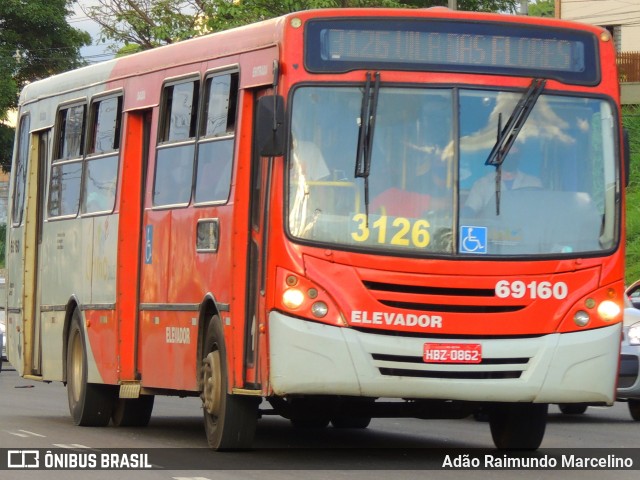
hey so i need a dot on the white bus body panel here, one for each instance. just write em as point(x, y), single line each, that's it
point(317, 359)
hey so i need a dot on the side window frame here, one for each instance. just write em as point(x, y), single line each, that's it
point(170, 183)
point(66, 158)
point(217, 136)
point(20, 170)
point(102, 150)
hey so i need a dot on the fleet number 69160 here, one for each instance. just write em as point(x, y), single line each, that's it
point(543, 290)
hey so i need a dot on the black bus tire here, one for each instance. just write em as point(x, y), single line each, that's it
point(229, 420)
point(133, 412)
point(518, 426)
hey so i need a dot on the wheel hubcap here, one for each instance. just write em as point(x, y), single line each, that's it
point(212, 383)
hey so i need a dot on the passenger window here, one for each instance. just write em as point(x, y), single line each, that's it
point(64, 189)
point(174, 162)
point(100, 184)
point(215, 145)
point(174, 175)
point(20, 169)
point(221, 94)
point(70, 132)
point(66, 171)
point(105, 129)
point(179, 112)
point(101, 168)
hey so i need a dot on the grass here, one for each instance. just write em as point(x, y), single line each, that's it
point(631, 120)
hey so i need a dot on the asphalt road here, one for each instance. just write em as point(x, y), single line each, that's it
point(34, 415)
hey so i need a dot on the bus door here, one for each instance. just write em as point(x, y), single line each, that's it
point(33, 261)
point(261, 176)
point(133, 174)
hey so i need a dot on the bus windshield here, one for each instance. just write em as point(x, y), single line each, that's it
point(429, 189)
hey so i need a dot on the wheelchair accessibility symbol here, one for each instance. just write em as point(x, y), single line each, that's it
point(473, 239)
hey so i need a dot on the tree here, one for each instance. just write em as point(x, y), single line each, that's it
point(145, 24)
point(542, 8)
point(35, 41)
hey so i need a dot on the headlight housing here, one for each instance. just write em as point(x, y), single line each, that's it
point(302, 297)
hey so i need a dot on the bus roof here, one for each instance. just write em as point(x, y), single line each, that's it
point(243, 39)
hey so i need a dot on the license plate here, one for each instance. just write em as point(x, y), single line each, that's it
point(452, 353)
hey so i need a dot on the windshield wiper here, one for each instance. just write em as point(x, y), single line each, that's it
point(365, 134)
point(507, 135)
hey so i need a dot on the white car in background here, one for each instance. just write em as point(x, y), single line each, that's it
point(629, 374)
point(628, 389)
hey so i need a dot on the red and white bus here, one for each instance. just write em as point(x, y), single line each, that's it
point(348, 213)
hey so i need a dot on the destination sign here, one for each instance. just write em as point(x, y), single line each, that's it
point(495, 48)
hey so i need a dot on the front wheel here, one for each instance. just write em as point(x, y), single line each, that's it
point(89, 404)
point(518, 426)
point(572, 408)
point(229, 420)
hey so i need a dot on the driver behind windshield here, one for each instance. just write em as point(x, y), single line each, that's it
point(512, 178)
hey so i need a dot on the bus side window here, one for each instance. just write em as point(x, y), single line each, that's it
point(215, 145)
point(66, 171)
point(20, 169)
point(174, 162)
point(101, 167)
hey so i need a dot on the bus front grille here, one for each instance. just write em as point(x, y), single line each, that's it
point(438, 299)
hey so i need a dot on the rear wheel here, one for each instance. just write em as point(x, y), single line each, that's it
point(229, 420)
point(634, 409)
point(133, 412)
point(518, 426)
point(310, 421)
point(89, 404)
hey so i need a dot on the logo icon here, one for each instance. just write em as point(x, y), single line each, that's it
point(148, 250)
point(473, 239)
point(23, 459)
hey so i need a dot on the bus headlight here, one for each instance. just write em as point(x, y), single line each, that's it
point(608, 310)
point(306, 299)
point(319, 309)
point(292, 298)
point(581, 318)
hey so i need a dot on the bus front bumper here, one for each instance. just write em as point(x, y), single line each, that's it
point(310, 358)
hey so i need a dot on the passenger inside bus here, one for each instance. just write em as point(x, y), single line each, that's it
point(418, 171)
point(309, 170)
point(308, 158)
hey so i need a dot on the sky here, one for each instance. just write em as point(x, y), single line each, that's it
point(97, 52)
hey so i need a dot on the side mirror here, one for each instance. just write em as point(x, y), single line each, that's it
point(627, 156)
point(270, 127)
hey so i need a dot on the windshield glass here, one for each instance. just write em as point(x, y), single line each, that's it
point(428, 189)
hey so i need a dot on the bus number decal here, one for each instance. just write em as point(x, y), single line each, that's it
point(400, 231)
point(542, 290)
